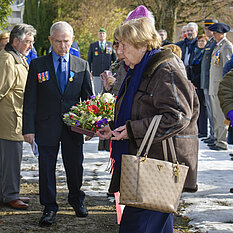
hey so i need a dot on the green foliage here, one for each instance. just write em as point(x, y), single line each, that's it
point(41, 16)
point(5, 12)
point(86, 17)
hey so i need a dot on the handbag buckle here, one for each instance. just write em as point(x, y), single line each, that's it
point(177, 172)
point(144, 158)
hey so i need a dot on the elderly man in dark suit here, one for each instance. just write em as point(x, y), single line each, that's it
point(55, 83)
point(100, 57)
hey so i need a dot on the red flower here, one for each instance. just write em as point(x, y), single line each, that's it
point(71, 117)
point(93, 108)
point(88, 102)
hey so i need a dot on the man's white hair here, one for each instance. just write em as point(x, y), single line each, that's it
point(61, 26)
point(192, 25)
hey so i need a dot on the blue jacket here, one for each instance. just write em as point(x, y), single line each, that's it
point(190, 45)
point(228, 66)
point(32, 55)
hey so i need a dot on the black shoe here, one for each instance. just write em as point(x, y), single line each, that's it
point(190, 190)
point(47, 219)
point(231, 190)
point(215, 147)
point(80, 210)
point(231, 155)
point(209, 140)
point(211, 144)
point(203, 139)
point(200, 135)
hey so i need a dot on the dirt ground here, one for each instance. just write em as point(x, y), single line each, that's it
point(101, 218)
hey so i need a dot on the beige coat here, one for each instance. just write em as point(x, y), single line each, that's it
point(220, 55)
point(13, 78)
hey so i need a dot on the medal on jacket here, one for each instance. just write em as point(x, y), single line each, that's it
point(42, 77)
point(216, 58)
point(71, 78)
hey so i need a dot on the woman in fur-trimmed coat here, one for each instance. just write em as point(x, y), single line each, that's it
point(155, 85)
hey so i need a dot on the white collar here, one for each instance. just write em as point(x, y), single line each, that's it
point(220, 41)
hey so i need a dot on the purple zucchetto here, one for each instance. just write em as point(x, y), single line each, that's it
point(139, 12)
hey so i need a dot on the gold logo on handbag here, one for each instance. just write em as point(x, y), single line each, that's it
point(160, 166)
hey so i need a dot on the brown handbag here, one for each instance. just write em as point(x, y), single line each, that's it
point(149, 183)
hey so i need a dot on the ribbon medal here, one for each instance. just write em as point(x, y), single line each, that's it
point(108, 50)
point(96, 53)
point(42, 77)
point(71, 78)
point(216, 58)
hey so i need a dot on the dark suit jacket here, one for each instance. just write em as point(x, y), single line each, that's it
point(44, 103)
point(99, 61)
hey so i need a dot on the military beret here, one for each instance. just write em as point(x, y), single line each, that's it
point(102, 30)
point(219, 27)
point(209, 22)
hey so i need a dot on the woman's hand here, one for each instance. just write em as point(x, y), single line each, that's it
point(104, 133)
point(120, 133)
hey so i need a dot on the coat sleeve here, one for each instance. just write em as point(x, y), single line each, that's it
point(225, 93)
point(7, 79)
point(30, 101)
point(90, 57)
point(86, 86)
point(174, 98)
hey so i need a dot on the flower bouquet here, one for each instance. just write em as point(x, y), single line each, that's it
point(88, 116)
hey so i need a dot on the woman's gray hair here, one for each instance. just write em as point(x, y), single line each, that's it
point(61, 26)
point(20, 31)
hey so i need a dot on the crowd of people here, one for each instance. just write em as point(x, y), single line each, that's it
point(150, 76)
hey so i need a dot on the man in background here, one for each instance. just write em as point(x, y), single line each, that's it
point(188, 46)
point(163, 35)
point(100, 57)
point(14, 70)
point(205, 77)
point(222, 52)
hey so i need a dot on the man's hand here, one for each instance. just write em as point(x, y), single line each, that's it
point(120, 133)
point(29, 137)
point(104, 133)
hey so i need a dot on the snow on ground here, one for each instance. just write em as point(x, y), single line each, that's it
point(211, 208)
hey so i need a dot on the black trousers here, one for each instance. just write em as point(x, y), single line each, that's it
point(72, 156)
point(202, 119)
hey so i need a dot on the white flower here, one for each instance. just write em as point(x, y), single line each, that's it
point(107, 97)
point(74, 108)
point(66, 115)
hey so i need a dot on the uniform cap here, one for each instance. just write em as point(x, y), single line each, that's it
point(219, 27)
point(102, 30)
point(209, 22)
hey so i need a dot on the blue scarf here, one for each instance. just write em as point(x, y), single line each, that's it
point(122, 146)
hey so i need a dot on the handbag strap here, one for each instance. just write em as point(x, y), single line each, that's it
point(150, 132)
point(172, 149)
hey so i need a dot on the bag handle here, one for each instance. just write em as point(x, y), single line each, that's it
point(172, 149)
point(153, 126)
point(150, 134)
